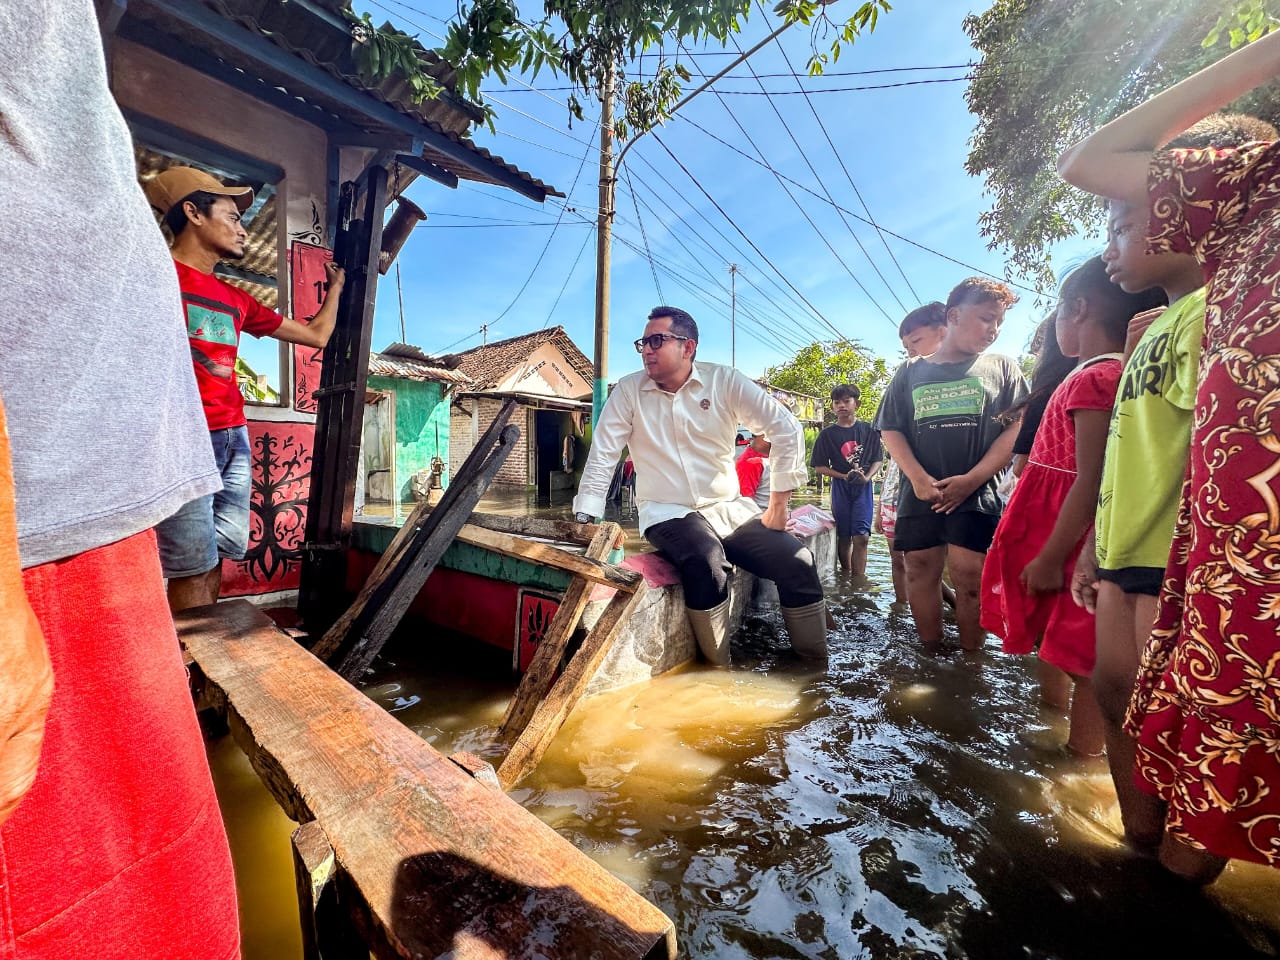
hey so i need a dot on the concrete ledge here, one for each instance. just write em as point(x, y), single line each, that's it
point(658, 637)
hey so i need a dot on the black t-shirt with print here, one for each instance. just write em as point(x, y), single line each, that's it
point(843, 448)
point(947, 412)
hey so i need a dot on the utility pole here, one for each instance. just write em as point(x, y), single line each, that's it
point(400, 295)
point(604, 219)
point(484, 334)
point(604, 253)
point(733, 314)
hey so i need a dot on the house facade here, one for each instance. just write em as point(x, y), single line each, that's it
point(550, 377)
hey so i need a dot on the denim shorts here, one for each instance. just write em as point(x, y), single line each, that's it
point(214, 527)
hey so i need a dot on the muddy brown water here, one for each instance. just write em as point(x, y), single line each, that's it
point(896, 806)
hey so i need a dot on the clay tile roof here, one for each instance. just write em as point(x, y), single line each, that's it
point(487, 366)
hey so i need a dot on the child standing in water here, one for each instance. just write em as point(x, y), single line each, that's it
point(938, 420)
point(1042, 529)
point(1206, 710)
point(848, 452)
point(921, 332)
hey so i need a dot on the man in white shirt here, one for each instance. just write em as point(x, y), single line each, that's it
point(679, 419)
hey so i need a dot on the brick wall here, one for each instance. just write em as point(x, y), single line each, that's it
point(518, 469)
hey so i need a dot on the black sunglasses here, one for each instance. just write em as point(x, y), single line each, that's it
point(656, 340)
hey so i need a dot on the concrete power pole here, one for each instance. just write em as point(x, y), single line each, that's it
point(604, 241)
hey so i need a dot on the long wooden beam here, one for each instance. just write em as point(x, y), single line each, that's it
point(440, 863)
point(547, 555)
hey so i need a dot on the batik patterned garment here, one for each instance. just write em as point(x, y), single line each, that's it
point(1206, 710)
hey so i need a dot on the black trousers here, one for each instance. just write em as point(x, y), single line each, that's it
point(705, 561)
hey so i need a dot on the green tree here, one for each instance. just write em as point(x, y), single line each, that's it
point(592, 43)
point(1052, 71)
point(817, 368)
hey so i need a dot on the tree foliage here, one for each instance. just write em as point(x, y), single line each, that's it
point(817, 368)
point(588, 40)
point(1052, 71)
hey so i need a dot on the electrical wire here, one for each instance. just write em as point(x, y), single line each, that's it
point(896, 236)
point(840, 160)
point(818, 179)
point(547, 246)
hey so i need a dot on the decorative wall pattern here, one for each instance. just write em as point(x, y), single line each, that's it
point(277, 509)
point(306, 270)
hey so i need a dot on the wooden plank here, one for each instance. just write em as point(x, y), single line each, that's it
point(407, 537)
point(444, 865)
point(537, 680)
point(564, 531)
point(545, 554)
point(552, 712)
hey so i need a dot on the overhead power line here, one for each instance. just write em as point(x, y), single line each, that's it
point(896, 236)
point(858, 193)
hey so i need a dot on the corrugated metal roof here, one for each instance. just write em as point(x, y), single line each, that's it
point(314, 31)
point(406, 362)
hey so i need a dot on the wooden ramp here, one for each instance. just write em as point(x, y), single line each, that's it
point(428, 859)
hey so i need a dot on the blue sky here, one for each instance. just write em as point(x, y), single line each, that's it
point(480, 259)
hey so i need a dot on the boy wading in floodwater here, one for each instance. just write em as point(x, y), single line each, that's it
point(921, 332)
point(939, 422)
point(1206, 708)
point(849, 453)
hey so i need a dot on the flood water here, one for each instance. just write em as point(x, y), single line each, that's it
point(896, 806)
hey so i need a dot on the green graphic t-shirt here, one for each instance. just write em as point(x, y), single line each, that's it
point(1148, 440)
point(947, 411)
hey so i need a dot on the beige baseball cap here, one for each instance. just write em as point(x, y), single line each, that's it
point(169, 188)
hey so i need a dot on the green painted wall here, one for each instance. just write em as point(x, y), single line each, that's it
point(422, 416)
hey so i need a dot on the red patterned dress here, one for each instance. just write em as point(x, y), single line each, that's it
point(1206, 710)
point(1008, 611)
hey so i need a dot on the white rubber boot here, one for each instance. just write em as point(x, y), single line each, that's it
point(807, 627)
point(711, 628)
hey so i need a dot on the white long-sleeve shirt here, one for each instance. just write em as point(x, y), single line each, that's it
point(682, 445)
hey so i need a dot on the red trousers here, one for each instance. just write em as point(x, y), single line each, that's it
point(118, 850)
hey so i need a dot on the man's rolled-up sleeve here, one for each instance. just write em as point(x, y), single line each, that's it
point(608, 439)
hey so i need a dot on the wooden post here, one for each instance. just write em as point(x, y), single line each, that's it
point(327, 932)
point(340, 417)
point(537, 680)
point(552, 712)
point(382, 604)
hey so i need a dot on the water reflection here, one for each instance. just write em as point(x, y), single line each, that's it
point(898, 806)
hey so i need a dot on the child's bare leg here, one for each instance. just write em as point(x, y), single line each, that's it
point(1190, 863)
point(1088, 735)
point(844, 553)
point(948, 595)
point(898, 566)
point(1114, 675)
point(966, 575)
point(1055, 685)
point(924, 572)
point(858, 556)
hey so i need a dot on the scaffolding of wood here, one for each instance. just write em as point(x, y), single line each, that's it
point(403, 851)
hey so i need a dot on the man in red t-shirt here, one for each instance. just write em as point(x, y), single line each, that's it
point(753, 471)
point(204, 218)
